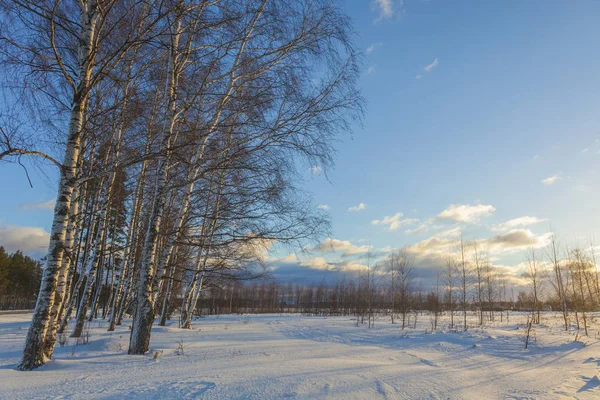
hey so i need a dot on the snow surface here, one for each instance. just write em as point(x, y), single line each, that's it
point(310, 357)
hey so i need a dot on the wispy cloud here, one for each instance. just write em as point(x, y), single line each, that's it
point(395, 221)
point(373, 47)
point(508, 242)
point(466, 213)
point(419, 76)
point(315, 169)
point(25, 238)
point(333, 256)
point(451, 233)
point(518, 223)
point(323, 207)
point(345, 247)
point(514, 240)
point(361, 206)
point(46, 205)
point(385, 8)
point(371, 69)
point(419, 229)
point(431, 66)
point(319, 263)
point(551, 180)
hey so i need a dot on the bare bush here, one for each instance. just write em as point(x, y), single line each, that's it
point(180, 348)
point(62, 339)
point(86, 335)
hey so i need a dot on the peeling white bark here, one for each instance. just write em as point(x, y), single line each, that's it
point(33, 353)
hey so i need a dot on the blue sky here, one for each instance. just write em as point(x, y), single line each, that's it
point(472, 104)
point(478, 113)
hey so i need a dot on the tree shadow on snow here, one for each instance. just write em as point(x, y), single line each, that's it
point(591, 383)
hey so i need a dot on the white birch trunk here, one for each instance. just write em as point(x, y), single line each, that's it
point(143, 316)
point(62, 288)
point(90, 273)
point(165, 304)
point(33, 353)
point(75, 249)
point(127, 263)
point(74, 299)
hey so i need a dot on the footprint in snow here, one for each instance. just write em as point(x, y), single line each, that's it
point(386, 390)
point(427, 362)
point(423, 361)
point(192, 390)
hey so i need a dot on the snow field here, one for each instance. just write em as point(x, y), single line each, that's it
point(311, 357)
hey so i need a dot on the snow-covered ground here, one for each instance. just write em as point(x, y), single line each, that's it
point(304, 357)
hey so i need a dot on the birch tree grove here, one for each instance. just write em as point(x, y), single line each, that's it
point(181, 127)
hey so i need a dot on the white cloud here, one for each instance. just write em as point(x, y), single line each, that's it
point(350, 265)
point(320, 263)
point(433, 246)
point(395, 221)
point(585, 150)
point(256, 247)
point(317, 263)
point(451, 233)
point(419, 76)
point(46, 205)
point(361, 206)
point(419, 229)
point(370, 70)
point(385, 7)
point(436, 249)
point(430, 255)
point(323, 207)
point(345, 247)
point(431, 66)
point(514, 240)
point(25, 238)
point(518, 223)
point(373, 47)
point(466, 213)
point(551, 180)
point(315, 169)
point(290, 258)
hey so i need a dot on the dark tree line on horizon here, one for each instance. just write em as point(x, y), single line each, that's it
point(391, 291)
point(20, 277)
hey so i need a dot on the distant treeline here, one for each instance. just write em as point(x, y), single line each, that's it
point(20, 277)
point(387, 289)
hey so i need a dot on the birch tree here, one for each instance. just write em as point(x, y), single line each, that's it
point(64, 46)
point(533, 276)
point(285, 113)
point(464, 273)
point(557, 280)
